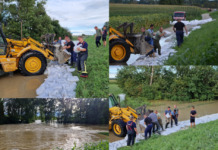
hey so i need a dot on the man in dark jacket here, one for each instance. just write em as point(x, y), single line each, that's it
point(131, 131)
point(148, 123)
point(82, 57)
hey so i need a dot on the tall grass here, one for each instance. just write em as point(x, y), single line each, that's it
point(203, 137)
point(96, 85)
point(144, 15)
point(200, 47)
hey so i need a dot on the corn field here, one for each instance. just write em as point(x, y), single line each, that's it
point(144, 15)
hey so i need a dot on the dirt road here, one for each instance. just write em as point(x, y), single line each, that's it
point(15, 85)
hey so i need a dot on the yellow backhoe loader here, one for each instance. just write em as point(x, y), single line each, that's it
point(123, 44)
point(119, 117)
point(27, 55)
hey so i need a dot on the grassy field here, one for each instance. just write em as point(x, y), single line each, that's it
point(144, 15)
point(200, 48)
point(96, 85)
point(129, 101)
point(203, 137)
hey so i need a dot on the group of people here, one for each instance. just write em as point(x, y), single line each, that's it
point(101, 34)
point(78, 58)
point(154, 38)
point(153, 121)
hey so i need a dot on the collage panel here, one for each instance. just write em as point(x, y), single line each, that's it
point(49, 50)
point(152, 106)
point(56, 124)
point(163, 32)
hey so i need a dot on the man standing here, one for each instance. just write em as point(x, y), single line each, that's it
point(157, 38)
point(154, 119)
point(82, 57)
point(131, 131)
point(176, 110)
point(98, 36)
point(178, 29)
point(168, 116)
point(148, 38)
point(69, 47)
point(148, 123)
point(104, 35)
point(59, 40)
point(159, 119)
point(193, 114)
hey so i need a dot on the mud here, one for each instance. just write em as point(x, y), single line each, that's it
point(49, 136)
point(202, 108)
point(15, 85)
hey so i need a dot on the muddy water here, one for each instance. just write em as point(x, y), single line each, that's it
point(44, 137)
point(203, 108)
point(15, 85)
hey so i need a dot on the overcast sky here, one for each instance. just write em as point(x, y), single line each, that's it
point(79, 16)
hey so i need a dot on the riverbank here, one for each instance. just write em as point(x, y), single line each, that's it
point(204, 136)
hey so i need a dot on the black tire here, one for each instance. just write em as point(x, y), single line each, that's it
point(122, 127)
point(125, 45)
point(27, 55)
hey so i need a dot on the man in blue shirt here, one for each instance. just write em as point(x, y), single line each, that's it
point(168, 116)
point(131, 131)
point(82, 57)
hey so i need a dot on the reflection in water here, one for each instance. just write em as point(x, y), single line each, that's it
point(19, 86)
point(49, 136)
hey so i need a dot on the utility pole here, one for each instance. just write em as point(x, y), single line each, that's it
point(21, 23)
point(152, 75)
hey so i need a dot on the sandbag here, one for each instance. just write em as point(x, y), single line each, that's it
point(61, 55)
point(145, 47)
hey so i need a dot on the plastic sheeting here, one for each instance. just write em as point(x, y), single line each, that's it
point(181, 126)
point(60, 82)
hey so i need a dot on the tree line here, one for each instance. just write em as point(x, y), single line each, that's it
point(200, 3)
point(179, 83)
point(87, 111)
point(31, 16)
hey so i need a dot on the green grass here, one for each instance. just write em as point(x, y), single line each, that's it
point(129, 101)
point(200, 47)
point(104, 133)
point(203, 137)
point(144, 15)
point(103, 145)
point(114, 88)
point(96, 85)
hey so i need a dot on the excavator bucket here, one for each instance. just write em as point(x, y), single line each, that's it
point(8, 64)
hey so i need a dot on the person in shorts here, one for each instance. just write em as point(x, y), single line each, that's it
point(104, 36)
point(193, 114)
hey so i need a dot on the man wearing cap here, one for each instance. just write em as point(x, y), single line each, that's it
point(131, 131)
point(178, 29)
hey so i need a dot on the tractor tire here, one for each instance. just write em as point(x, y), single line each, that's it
point(119, 128)
point(119, 51)
point(32, 63)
